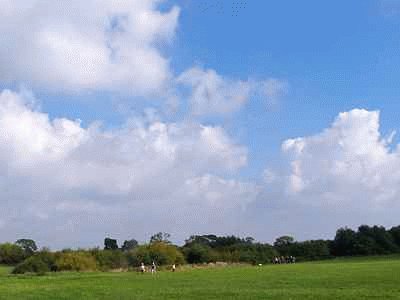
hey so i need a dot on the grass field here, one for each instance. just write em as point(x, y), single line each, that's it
point(373, 278)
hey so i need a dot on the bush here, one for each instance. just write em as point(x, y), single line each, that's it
point(75, 261)
point(197, 253)
point(109, 259)
point(140, 255)
point(32, 264)
point(160, 252)
point(133, 260)
point(311, 250)
point(11, 254)
point(40, 263)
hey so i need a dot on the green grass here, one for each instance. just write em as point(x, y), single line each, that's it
point(4, 270)
point(342, 279)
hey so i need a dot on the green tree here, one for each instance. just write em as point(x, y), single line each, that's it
point(395, 233)
point(160, 252)
point(28, 245)
point(75, 261)
point(160, 237)
point(129, 245)
point(310, 250)
point(283, 244)
point(197, 253)
point(41, 262)
point(108, 259)
point(110, 244)
point(11, 254)
point(374, 240)
point(344, 242)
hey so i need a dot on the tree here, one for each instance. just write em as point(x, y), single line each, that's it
point(208, 240)
point(11, 254)
point(108, 260)
point(197, 253)
point(283, 244)
point(310, 250)
point(160, 237)
point(159, 252)
point(395, 232)
point(344, 242)
point(284, 241)
point(129, 245)
point(32, 264)
point(110, 244)
point(249, 240)
point(75, 261)
point(375, 240)
point(29, 246)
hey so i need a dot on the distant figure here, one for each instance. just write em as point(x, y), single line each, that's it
point(153, 268)
point(173, 268)
point(142, 268)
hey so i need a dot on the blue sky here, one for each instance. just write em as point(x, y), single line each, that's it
point(334, 56)
point(248, 77)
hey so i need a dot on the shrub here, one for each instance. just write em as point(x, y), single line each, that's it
point(160, 252)
point(197, 253)
point(133, 260)
point(139, 255)
point(311, 250)
point(75, 261)
point(39, 263)
point(32, 264)
point(109, 259)
point(11, 254)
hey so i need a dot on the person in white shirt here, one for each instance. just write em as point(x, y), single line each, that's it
point(142, 268)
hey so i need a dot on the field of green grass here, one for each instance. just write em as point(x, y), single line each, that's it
point(4, 270)
point(361, 278)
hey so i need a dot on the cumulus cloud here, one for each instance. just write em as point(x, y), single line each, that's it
point(212, 93)
point(349, 163)
point(93, 45)
point(273, 90)
point(59, 176)
point(346, 175)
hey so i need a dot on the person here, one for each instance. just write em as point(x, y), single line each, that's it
point(173, 268)
point(142, 268)
point(153, 268)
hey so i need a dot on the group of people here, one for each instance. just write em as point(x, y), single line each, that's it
point(153, 268)
point(284, 260)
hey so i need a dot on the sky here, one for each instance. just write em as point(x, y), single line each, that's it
point(252, 118)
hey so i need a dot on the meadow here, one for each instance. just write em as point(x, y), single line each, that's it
point(361, 278)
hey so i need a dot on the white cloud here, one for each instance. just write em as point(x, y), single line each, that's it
point(348, 164)
point(56, 172)
point(273, 90)
point(211, 93)
point(94, 45)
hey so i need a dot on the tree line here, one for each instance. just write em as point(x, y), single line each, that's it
point(198, 249)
